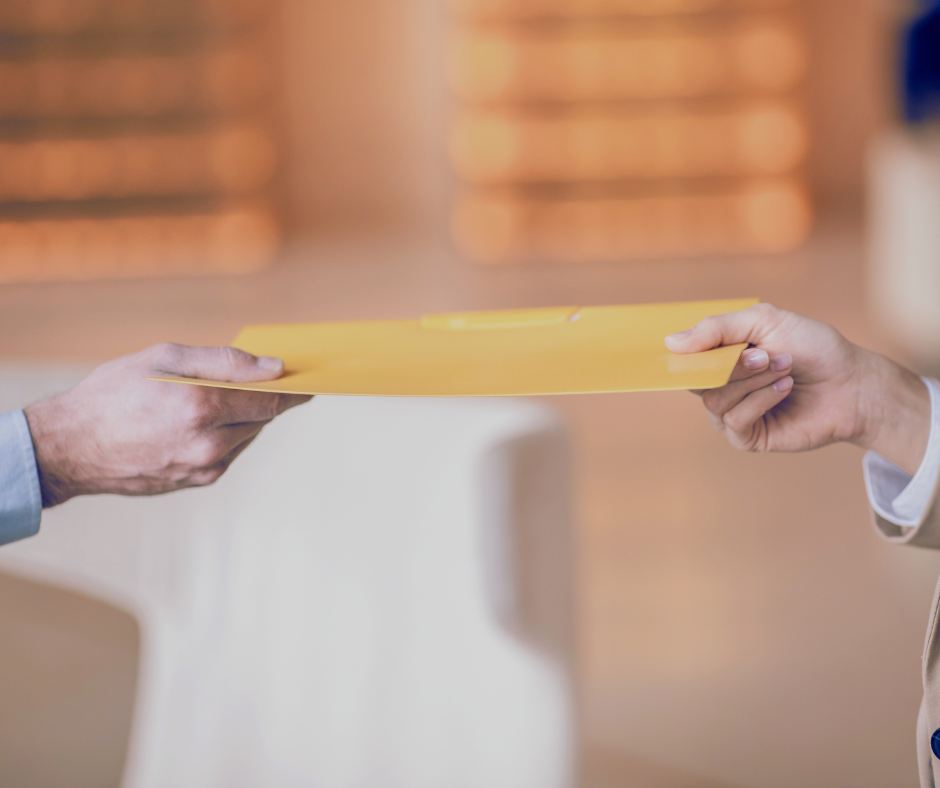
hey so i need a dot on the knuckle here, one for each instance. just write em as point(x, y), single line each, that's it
point(711, 328)
point(166, 354)
point(229, 356)
point(233, 358)
point(765, 314)
point(736, 422)
point(197, 410)
point(205, 452)
point(707, 323)
point(711, 399)
point(188, 411)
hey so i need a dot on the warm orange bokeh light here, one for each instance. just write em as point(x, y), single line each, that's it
point(65, 17)
point(595, 98)
point(770, 57)
point(500, 148)
point(759, 217)
point(515, 10)
point(126, 125)
point(241, 159)
point(510, 65)
point(232, 241)
point(229, 79)
point(231, 160)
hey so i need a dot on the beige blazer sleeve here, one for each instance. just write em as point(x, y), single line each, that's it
point(925, 534)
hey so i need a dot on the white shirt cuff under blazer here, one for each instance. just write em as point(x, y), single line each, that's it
point(20, 499)
point(897, 496)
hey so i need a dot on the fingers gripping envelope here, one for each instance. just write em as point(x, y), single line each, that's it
point(556, 350)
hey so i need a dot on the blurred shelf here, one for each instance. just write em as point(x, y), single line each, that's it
point(745, 56)
point(756, 138)
point(230, 159)
point(221, 80)
point(137, 138)
point(751, 217)
point(88, 17)
point(233, 241)
point(528, 10)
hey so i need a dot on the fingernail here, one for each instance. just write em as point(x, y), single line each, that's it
point(781, 362)
point(270, 363)
point(681, 335)
point(784, 384)
point(755, 359)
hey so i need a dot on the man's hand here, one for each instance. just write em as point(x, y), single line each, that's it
point(117, 432)
point(802, 385)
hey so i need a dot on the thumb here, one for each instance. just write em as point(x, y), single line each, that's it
point(747, 325)
point(216, 363)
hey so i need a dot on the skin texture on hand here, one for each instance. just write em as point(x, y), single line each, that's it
point(118, 432)
point(803, 385)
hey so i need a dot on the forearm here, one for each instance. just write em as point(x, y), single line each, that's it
point(53, 453)
point(894, 405)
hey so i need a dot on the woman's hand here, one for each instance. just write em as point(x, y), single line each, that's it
point(802, 385)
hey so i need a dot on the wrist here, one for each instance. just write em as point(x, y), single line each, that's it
point(895, 413)
point(48, 429)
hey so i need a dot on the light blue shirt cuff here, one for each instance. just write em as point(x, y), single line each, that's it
point(20, 499)
point(897, 496)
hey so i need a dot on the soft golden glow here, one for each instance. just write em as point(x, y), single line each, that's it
point(512, 10)
point(233, 13)
point(701, 109)
point(774, 214)
point(561, 66)
point(772, 139)
point(760, 217)
point(227, 80)
point(235, 78)
point(242, 240)
point(484, 66)
point(241, 159)
point(58, 16)
point(496, 147)
point(137, 107)
point(490, 230)
point(485, 147)
point(769, 56)
point(234, 160)
point(78, 16)
point(233, 241)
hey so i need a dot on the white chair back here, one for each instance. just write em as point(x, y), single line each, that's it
point(377, 595)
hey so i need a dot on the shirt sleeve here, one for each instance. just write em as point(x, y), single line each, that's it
point(897, 496)
point(20, 499)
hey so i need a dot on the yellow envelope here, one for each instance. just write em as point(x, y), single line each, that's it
point(557, 350)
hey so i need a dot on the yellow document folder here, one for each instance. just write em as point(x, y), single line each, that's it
point(557, 350)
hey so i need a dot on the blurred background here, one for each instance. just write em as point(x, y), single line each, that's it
point(175, 170)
